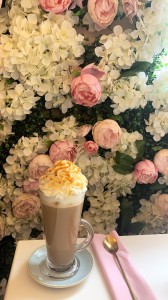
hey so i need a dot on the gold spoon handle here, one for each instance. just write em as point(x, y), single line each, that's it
point(125, 277)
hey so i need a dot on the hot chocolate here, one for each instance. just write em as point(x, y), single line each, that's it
point(62, 191)
point(61, 226)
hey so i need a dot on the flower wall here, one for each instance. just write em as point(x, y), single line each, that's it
point(85, 81)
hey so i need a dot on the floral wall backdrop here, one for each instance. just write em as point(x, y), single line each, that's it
point(85, 81)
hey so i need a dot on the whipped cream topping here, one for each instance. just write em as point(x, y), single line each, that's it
point(63, 179)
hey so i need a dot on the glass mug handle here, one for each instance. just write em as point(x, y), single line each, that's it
point(89, 237)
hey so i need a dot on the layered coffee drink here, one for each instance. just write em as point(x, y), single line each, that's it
point(62, 191)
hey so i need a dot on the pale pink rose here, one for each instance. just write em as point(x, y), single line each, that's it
point(130, 8)
point(107, 133)
point(30, 186)
point(145, 172)
point(90, 147)
point(86, 90)
point(63, 150)
point(2, 228)
point(161, 203)
point(102, 12)
point(39, 165)
point(92, 70)
point(26, 205)
point(84, 130)
point(161, 161)
point(55, 6)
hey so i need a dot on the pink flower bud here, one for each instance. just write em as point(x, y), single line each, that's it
point(90, 147)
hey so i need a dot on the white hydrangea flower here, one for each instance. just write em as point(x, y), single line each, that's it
point(5, 129)
point(129, 93)
point(151, 30)
point(16, 101)
point(104, 209)
point(66, 129)
point(42, 55)
point(159, 92)
point(149, 214)
point(163, 179)
point(4, 20)
point(157, 125)
point(127, 144)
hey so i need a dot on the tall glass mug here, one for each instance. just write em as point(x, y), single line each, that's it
point(61, 214)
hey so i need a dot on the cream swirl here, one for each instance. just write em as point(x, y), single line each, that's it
point(63, 179)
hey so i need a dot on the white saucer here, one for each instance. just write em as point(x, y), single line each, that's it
point(85, 268)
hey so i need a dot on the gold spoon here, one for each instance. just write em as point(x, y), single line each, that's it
point(111, 245)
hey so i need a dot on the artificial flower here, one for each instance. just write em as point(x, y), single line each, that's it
point(90, 147)
point(30, 185)
point(92, 70)
point(161, 161)
point(55, 6)
point(106, 133)
point(130, 8)
point(62, 150)
point(39, 165)
point(84, 130)
point(161, 203)
point(86, 90)
point(25, 205)
point(145, 172)
point(102, 12)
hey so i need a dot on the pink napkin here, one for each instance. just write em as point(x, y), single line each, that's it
point(112, 273)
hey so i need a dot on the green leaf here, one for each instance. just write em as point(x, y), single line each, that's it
point(123, 169)
point(126, 214)
point(157, 148)
point(122, 158)
point(138, 66)
point(81, 11)
point(141, 149)
point(135, 228)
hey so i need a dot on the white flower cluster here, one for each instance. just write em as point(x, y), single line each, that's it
point(151, 30)
point(41, 51)
point(117, 48)
point(5, 129)
point(128, 143)
point(16, 101)
point(66, 129)
point(149, 215)
point(159, 92)
point(157, 124)
point(129, 93)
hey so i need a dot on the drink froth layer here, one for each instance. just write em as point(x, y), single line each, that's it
point(63, 182)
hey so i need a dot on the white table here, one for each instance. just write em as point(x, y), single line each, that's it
point(149, 253)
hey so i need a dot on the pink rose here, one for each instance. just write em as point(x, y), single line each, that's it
point(2, 228)
point(145, 172)
point(84, 130)
point(130, 7)
point(25, 205)
point(86, 90)
point(39, 165)
point(55, 6)
point(30, 186)
point(63, 150)
point(161, 161)
point(102, 12)
point(92, 70)
point(161, 203)
point(90, 147)
point(106, 133)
